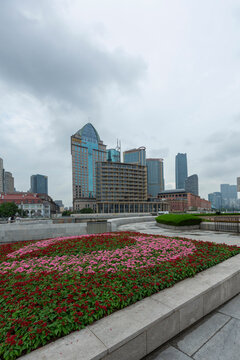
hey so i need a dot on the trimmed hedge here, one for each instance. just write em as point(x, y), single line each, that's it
point(178, 220)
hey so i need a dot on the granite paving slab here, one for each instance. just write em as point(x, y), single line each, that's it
point(170, 353)
point(224, 345)
point(191, 341)
point(232, 308)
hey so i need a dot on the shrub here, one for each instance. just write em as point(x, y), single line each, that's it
point(178, 220)
point(86, 211)
point(66, 213)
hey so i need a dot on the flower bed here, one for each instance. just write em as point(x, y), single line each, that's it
point(52, 287)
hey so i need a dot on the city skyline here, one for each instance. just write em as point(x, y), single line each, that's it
point(169, 83)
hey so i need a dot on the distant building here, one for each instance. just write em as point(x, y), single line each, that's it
point(113, 155)
point(233, 192)
point(121, 182)
point(1, 176)
point(60, 205)
point(35, 205)
point(216, 200)
point(122, 187)
point(155, 176)
point(238, 184)
point(229, 195)
point(86, 148)
point(135, 156)
point(39, 184)
point(8, 182)
point(228, 191)
point(181, 172)
point(191, 184)
point(179, 201)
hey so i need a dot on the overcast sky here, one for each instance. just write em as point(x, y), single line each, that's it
point(156, 73)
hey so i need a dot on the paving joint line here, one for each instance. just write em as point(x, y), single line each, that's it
point(96, 337)
point(230, 318)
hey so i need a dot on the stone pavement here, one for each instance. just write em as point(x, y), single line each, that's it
point(214, 337)
point(150, 227)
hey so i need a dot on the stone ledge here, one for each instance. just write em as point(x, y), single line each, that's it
point(137, 330)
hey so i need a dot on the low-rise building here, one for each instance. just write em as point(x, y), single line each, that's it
point(180, 200)
point(32, 204)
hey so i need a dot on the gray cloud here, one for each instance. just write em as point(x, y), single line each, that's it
point(40, 55)
point(159, 153)
point(224, 147)
point(66, 62)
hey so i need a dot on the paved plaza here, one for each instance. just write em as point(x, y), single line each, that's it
point(214, 337)
point(150, 227)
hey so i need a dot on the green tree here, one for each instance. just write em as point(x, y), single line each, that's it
point(66, 213)
point(8, 209)
point(86, 211)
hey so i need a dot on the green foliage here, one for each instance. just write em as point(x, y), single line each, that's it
point(178, 219)
point(40, 306)
point(8, 209)
point(66, 213)
point(86, 211)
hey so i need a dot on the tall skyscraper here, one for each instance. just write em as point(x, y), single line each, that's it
point(135, 156)
point(1, 176)
point(191, 184)
point(228, 191)
point(229, 194)
point(155, 177)
point(86, 150)
point(216, 200)
point(181, 171)
point(8, 182)
point(39, 184)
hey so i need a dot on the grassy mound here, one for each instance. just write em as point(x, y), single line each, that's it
point(178, 219)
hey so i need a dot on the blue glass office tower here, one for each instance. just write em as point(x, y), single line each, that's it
point(155, 177)
point(135, 156)
point(181, 171)
point(86, 150)
point(39, 184)
point(216, 200)
point(113, 155)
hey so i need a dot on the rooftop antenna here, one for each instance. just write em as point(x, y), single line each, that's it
point(118, 148)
